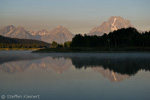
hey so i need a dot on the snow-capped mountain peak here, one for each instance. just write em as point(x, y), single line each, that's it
point(113, 23)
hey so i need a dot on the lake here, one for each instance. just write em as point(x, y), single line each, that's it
point(74, 76)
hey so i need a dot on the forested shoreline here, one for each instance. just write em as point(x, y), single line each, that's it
point(128, 39)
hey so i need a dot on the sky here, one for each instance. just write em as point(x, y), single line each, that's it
point(79, 16)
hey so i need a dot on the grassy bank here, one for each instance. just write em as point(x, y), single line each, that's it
point(19, 49)
point(92, 50)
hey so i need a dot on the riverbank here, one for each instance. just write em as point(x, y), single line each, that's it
point(91, 50)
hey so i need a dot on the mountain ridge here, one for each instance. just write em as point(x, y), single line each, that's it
point(61, 34)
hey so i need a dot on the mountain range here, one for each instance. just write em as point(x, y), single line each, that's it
point(61, 34)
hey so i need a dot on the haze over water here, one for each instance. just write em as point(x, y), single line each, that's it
point(92, 76)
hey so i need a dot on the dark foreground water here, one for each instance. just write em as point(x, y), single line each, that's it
point(78, 76)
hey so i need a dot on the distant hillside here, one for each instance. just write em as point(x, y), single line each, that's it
point(10, 42)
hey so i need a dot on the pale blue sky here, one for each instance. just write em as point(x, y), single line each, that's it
point(79, 16)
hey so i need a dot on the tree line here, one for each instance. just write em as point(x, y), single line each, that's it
point(128, 37)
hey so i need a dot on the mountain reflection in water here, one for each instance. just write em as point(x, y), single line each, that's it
point(114, 66)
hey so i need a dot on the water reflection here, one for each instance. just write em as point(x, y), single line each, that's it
point(111, 75)
point(57, 64)
point(123, 65)
point(116, 67)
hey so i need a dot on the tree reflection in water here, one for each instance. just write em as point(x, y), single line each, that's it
point(114, 66)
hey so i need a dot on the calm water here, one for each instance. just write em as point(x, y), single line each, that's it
point(87, 76)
